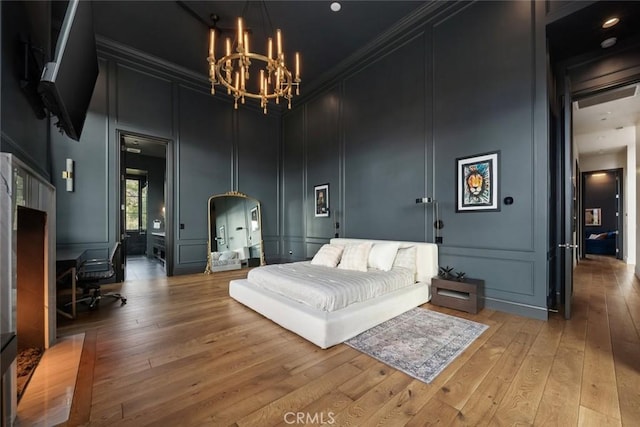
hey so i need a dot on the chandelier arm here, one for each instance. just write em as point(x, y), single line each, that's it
point(223, 74)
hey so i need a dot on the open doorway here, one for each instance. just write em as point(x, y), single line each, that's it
point(603, 196)
point(144, 195)
point(604, 131)
point(591, 60)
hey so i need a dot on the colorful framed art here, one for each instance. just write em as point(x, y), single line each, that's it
point(477, 183)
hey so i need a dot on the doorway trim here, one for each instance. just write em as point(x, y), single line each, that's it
point(168, 197)
point(578, 78)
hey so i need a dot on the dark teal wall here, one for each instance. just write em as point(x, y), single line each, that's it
point(382, 132)
point(389, 131)
point(212, 147)
point(601, 191)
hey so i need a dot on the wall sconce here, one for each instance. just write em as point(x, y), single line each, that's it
point(68, 174)
point(437, 224)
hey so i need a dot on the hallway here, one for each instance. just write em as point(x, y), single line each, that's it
point(598, 361)
point(140, 267)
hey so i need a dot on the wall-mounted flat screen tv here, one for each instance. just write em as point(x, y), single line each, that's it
point(67, 83)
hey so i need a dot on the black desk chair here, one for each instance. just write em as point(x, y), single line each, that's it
point(89, 275)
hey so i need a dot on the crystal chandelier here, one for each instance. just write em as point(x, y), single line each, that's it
point(234, 70)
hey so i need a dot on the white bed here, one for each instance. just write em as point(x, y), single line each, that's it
point(327, 328)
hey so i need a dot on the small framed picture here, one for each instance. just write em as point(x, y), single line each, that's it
point(593, 217)
point(321, 193)
point(477, 181)
point(255, 221)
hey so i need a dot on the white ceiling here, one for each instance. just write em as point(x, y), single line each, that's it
point(606, 127)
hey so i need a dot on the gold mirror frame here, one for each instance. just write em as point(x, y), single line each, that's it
point(249, 212)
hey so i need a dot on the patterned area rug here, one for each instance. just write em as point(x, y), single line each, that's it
point(420, 342)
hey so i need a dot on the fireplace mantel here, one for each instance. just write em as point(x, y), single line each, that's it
point(21, 186)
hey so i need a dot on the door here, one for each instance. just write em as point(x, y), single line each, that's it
point(122, 232)
point(566, 246)
point(619, 216)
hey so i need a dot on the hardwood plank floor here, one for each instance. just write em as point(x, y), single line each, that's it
point(182, 353)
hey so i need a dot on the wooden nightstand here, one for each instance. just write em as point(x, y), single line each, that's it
point(466, 295)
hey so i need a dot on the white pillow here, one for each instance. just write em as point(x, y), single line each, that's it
point(328, 255)
point(227, 255)
point(382, 255)
point(355, 257)
point(215, 256)
point(406, 258)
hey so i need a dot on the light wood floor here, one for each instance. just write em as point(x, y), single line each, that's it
point(182, 353)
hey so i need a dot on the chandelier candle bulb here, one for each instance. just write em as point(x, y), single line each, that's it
point(246, 42)
point(240, 35)
point(212, 44)
point(297, 66)
point(279, 41)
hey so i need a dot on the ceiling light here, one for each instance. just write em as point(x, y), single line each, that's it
point(232, 70)
point(134, 150)
point(610, 22)
point(335, 6)
point(608, 42)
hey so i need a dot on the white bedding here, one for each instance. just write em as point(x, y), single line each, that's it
point(327, 328)
point(326, 288)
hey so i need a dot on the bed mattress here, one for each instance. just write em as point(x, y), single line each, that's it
point(325, 288)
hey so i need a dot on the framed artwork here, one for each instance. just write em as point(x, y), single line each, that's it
point(321, 197)
point(593, 217)
point(477, 183)
point(255, 222)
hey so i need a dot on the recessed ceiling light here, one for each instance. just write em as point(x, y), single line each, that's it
point(608, 42)
point(610, 22)
point(335, 6)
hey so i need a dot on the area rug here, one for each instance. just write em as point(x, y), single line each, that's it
point(420, 342)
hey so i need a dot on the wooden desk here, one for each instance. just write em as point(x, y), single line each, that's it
point(66, 264)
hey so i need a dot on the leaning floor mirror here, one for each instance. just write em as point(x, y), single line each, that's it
point(235, 232)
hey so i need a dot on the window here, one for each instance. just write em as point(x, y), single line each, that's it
point(136, 204)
